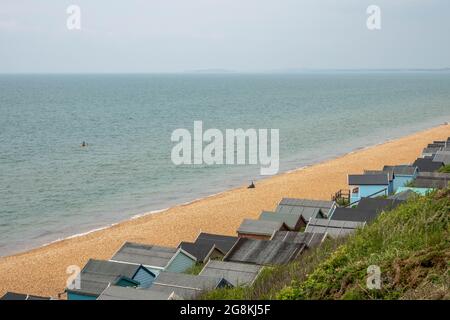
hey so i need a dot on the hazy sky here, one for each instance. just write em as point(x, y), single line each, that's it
point(239, 35)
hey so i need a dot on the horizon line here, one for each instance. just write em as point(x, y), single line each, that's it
point(230, 71)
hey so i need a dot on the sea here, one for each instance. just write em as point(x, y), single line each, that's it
point(51, 188)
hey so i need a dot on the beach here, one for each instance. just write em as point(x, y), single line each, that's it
point(42, 271)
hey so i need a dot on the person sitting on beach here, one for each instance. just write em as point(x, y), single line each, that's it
point(251, 186)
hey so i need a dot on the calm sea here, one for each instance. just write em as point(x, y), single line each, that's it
point(51, 188)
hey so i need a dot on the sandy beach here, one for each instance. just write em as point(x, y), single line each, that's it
point(42, 271)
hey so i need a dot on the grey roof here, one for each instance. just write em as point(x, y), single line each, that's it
point(186, 286)
point(436, 144)
point(20, 296)
point(427, 165)
point(354, 214)
point(431, 150)
point(404, 195)
point(200, 249)
point(260, 227)
point(378, 172)
point(306, 207)
point(368, 179)
point(442, 156)
point(264, 252)
point(434, 175)
point(292, 220)
point(430, 183)
point(334, 228)
point(147, 255)
point(311, 240)
point(127, 293)
point(224, 243)
point(378, 204)
point(97, 275)
point(238, 274)
point(404, 170)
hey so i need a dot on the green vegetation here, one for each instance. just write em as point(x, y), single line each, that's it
point(445, 169)
point(342, 202)
point(195, 269)
point(410, 244)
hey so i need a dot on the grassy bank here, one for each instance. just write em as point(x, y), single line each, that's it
point(410, 245)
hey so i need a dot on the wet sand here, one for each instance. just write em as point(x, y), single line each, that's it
point(42, 271)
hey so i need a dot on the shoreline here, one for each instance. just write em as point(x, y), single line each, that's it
point(47, 263)
point(108, 224)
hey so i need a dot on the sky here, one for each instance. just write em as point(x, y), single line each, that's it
point(131, 36)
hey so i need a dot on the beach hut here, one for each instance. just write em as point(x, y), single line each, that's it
point(292, 220)
point(390, 174)
point(311, 240)
point(333, 228)
point(264, 252)
point(21, 296)
point(442, 157)
point(306, 207)
point(368, 185)
point(202, 251)
point(259, 229)
point(187, 286)
point(127, 293)
point(155, 258)
point(238, 274)
point(427, 165)
point(97, 275)
point(403, 174)
point(224, 243)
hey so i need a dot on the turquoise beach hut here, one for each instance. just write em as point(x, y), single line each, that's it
point(97, 275)
point(403, 174)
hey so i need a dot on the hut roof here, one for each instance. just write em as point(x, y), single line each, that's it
point(306, 207)
point(186, 286)
point(147, 255)
point(201, 250)
point(402, 170)
point(224, 243)
point(234, 272)
point(264, 252)
point(290, 219)
point(334, 228)
point(260, 227)
point(127, 293)
point(21, 296)
point(368, 179)
point(427, 165)
point(311, 240)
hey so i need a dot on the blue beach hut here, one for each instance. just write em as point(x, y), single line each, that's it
point(368, 185)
